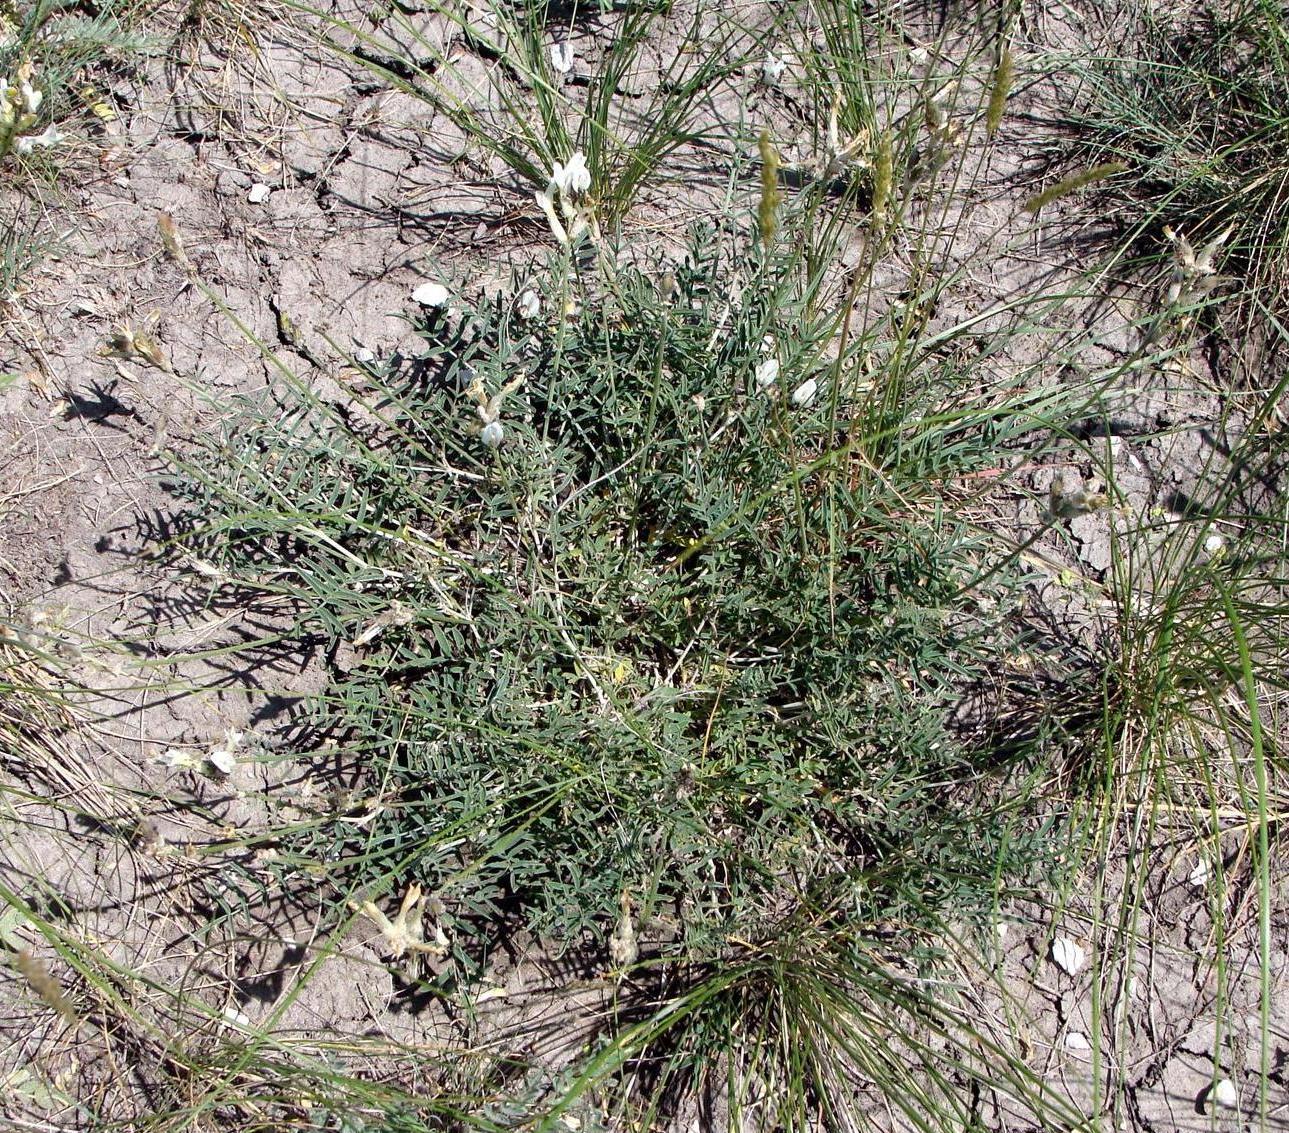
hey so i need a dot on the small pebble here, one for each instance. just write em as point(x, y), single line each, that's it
point(430, 295)
point(1068, 955)
point(1223, 1095)
point(259, 193)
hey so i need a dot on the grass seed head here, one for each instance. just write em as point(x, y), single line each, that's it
point(883, 174)
point(43, 983)
point(999, 89)
point(766, 212)
point(1073, 183)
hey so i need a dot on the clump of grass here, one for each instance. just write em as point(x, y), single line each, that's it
point(1201, 113)
point(22, 246)
point(808, 1031)
point(1190, 695)
point(527, 115)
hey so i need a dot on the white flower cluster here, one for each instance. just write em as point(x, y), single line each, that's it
point(568, 188)
point(1193, 275)
point(766, 377)
point(19, 109)
point(491, 431)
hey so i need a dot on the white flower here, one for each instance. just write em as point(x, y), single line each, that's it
point(546, 201)
point(1198, 877)
point(624, 948)
point(573, 178)
point(223, 758)
point(767, 373)
point(178, 758)
point(30, 97)
point(578, 216)
point(50, 136)
point(1215, 544)
point(562, 58)
point(772, 69)
point(804, 394)
point(529, 304)
point(568, 185)
point(430, 295)
point(406, 932)
point(492, 435)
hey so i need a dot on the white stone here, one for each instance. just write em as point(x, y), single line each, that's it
point(562, 58)
point(1077, 1042)
point(1224, 1095)
point(259, 193)
point(430, 295)
point(1068, 955)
